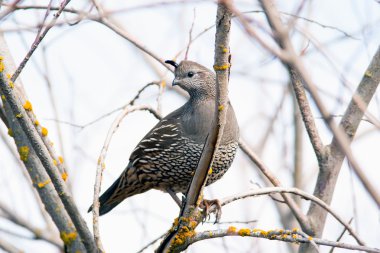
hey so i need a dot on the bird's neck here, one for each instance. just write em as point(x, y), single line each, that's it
point(198, 98)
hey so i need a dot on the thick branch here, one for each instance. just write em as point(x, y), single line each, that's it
point(349, 124)
point(289, 236)
point(36, 143)
point(331, 162)
point(42, 184)
point(222, 67)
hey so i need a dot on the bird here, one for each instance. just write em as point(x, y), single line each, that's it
point(167, 157)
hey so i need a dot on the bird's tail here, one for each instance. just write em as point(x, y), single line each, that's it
point(110, 198)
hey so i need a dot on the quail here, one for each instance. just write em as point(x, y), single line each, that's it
point(166, 158)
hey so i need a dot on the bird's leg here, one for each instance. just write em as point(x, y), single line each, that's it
point(174, 197)
point(211, 206)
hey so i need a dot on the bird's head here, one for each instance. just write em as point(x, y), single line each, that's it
point(194, 78)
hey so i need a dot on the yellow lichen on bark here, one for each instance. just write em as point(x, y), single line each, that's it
point(193, 224)
point(368, 74)
point(183, 234)
point(221, 67)
point(260, 231)
point(64, 176)
point(10, 132)
point(224, 49)
point(28, 106)
point(44, 131)
point(68, 238)
point(1, 64)
point(60, 159)
point(24, 153)
point(43, 184)
point(231, 230)
point(244, 232)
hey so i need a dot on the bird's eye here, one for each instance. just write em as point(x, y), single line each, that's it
point(190, 74)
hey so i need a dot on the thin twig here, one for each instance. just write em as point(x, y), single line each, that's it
point(101, 165)
point(37, 232)
point(38, 40)
point(10, 248)
point(341, 235)
point(151, 243)
point(296, 191)
point(190, 35)
point(301, 218)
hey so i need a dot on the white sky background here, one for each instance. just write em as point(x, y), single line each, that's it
point(94, 71)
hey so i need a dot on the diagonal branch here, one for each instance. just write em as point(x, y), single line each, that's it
point(301, 218)
point(38, 40)
point(349, 125)
point(37, 232)
point(10, 248)
point(334, 154)
point(101, 164)
point(222, 67)
point(18, 112)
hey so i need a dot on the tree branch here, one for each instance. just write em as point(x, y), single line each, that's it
point(301, 218)
point(38, 40)
point(37, 232)
point(291, 236)
point(349, 124)
point(35, 144)
point(222, 67)
point(101, 165)
point(268, 190)
point(9, 247)
point(328, 174)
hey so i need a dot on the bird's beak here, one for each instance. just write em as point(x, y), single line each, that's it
point(175, 82)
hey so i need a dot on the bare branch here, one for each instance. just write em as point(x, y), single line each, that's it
point(10, 248)
point(38, 40)
point(101, 165)
point(301, 218)
point(307, 196)
point(36, 144)
point(222, 67)
point(328, 174)
point(37, 232)
point(292, 236)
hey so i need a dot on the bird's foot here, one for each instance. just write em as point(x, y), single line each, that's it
point(211, 206)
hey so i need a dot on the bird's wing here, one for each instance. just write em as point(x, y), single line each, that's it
point(165, 135)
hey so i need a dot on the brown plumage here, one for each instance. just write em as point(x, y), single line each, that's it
point(167, 156)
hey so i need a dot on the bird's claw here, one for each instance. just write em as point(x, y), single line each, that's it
point(211, 206)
